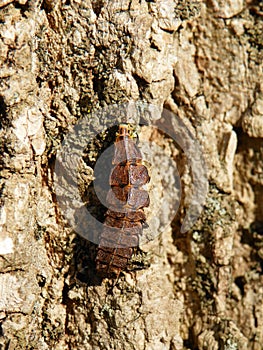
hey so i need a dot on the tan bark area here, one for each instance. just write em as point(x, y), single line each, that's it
point(203, 61)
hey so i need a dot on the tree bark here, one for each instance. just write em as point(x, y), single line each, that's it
point(202, 61)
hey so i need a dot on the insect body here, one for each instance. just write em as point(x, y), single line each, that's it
point(126, 200)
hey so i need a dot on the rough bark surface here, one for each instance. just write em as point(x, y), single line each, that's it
point(203, 61)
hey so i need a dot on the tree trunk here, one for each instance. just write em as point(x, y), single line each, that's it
point(201, 64)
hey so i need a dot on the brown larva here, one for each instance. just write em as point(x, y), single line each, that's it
point(126, 200)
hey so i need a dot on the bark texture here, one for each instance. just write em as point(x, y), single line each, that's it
point(202, 61)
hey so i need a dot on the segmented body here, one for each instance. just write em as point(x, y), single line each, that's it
point(126, 200)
